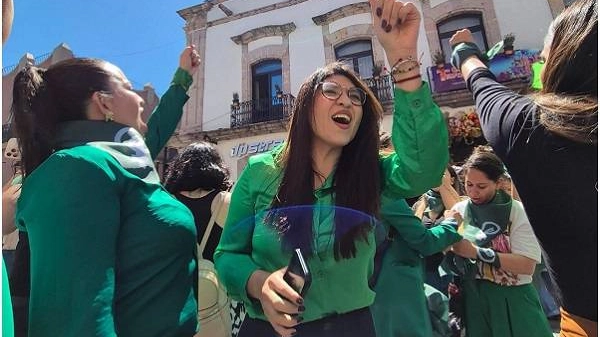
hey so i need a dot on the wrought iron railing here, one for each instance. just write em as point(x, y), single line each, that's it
point(262, 110)
point(382, 87)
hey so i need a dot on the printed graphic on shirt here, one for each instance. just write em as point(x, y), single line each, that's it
point(130, 150)
point(500, 244)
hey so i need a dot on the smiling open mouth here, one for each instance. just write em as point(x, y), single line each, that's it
point(341, 118)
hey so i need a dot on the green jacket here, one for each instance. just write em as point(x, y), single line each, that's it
point(112, 252)
point(420, 138)
point(400, 305)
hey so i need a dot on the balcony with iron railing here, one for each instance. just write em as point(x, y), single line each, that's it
point(382, 87)
point(261, 110)
point(278, 108)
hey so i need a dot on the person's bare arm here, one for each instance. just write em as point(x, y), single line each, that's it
point(396, 25)
point(510, 262)
point(10, 194)
point(449, 195)
point(471, 63)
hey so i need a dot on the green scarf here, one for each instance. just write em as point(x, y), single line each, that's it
point(434, 203)
point(482, 223)
point(122, 142)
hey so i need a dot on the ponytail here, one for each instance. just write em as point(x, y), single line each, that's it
point(34, 118)
point(44, 98)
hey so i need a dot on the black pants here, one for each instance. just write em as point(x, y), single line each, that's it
point(20, 315)
point(357, 323)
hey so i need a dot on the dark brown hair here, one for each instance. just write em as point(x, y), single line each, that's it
point(486, 161)
point(353, 189)
point(568, 100)
point(43, 98)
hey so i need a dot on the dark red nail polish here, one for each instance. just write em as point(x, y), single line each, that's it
point(378, 12)
point(388, 28)
point(383, 23)
point(301, 308)
point(300, 301)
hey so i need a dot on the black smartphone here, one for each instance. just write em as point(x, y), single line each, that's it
point(297, 274)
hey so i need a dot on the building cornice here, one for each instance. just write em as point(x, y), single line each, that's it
point(182, 139)
point(256, 11)
point(342, 12)
point(266, 31)
point(190, 12)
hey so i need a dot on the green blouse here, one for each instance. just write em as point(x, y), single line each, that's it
point(420, 138)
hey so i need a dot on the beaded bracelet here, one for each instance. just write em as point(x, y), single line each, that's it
point(410, 60)
point(407, 79)
point(396, 68)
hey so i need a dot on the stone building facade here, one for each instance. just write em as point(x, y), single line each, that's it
point(262, 50)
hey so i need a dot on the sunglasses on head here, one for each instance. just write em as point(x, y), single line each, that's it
point(333, 91)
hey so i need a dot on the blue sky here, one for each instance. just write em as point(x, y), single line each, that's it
point(143, 38)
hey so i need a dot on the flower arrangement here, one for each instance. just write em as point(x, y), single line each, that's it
point(465, 126)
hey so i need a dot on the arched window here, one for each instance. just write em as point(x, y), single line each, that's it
point(448, 27)
point(358, 55)
point(266, 83)
point(266, 79)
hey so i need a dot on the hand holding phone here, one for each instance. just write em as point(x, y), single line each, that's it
point(297, 274)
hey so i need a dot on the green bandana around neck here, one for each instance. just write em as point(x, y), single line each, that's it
point(122, 142)
point(482, 223)
point(488, 220)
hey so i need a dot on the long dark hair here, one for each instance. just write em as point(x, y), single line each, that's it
point(43, 98)
point(198, 166)
point(568, 100)
point(356, 181)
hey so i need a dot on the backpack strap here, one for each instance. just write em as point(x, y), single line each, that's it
point(211, 223)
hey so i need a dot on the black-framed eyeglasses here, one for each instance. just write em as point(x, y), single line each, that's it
point(333, 91)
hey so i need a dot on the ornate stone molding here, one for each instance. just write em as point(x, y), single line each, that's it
point(195, 17)
point(181, 139)
point(342, 12)
point(256, 11)
point(266, 31)
point(198, 10)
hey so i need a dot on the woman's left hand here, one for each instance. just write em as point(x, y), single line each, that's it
point(189, 60)
point(396, 25)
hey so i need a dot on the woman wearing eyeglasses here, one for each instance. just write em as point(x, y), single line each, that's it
point(331, 157)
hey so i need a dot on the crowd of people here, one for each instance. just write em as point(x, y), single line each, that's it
point(105, 248)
